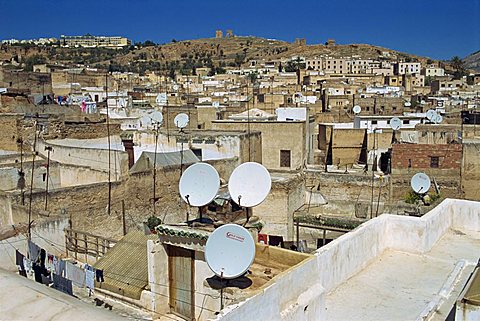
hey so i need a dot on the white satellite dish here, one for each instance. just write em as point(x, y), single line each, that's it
point(181, 120)
point(430, 114)
point(437, 119)
point(357, 109)
point(156, 117)
point(407, 104)
point(249, 184)
point(420, 183)
point(175, 87)
point(230, 250)
point(199, 184)
point(395, 123)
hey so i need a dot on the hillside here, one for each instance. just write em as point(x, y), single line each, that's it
point(473, 61)
point(184, 56)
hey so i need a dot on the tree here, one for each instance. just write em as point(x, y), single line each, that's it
point(253, 77)
point(34, 60)
point(148, 43)
point(458, 67)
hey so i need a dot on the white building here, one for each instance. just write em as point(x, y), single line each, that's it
point(383, 122)
point(408, 68)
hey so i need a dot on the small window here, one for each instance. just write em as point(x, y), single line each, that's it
point(406, 121)
point(409, 163)
point(374, 122)
point(434, 161)
point(285, 158)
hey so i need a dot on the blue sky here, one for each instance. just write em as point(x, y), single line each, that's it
point(439, 29)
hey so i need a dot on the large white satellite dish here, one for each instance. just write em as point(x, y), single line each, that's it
point(407, 104)
point(199, 184)
point(357, 109)
point(156, 117)
point(249, 184)
point(395, 123)
point(230, 250)
point(430, 114)
point(181, 120)
point(420, 183)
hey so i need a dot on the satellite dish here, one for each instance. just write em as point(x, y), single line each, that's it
point(437, 119)
point(357, 109)
point(407, 104)
point(395, 123)
point(156, 117)
point(249, 184)
point(230, 250)
point(199, 184)
point(175, 87)
point(181, 120)
point(430, 114)
point(420, 183)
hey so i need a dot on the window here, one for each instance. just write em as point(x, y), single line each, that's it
point(434, 161)
point(409, 163)
point(406, 121)
point(374, 122)
point(284, 158)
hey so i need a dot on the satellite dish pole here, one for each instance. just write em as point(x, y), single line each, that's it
point(157, 119)
point(229, 252)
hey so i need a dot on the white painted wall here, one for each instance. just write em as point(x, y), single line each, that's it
point(349, 254)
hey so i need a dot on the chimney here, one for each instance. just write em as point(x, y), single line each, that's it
point(128, 144)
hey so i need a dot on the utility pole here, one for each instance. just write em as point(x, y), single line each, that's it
point(31, 184)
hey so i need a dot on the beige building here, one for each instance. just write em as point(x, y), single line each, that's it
point(284, 143)
point(94, 41)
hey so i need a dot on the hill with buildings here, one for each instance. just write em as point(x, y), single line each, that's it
point(186, 56)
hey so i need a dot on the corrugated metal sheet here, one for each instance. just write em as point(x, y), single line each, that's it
point(146, 160)
point(125, 266)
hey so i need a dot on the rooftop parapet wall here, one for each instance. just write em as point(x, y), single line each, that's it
point(291, 296)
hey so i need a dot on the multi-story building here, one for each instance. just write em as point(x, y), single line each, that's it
point(94, 41)
point(405, 68)
point(433, 71)
point(315, 63)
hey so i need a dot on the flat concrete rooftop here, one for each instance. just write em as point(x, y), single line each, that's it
point(400, 285)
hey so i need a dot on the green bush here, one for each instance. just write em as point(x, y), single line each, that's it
point(153, 222)
point(411, 197)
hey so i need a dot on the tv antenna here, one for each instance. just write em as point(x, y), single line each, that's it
point(356, 109)
point(420, 183)
point(199, 184)
point(249, 185)
point(229, 252)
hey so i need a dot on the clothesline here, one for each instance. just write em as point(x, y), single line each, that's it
point(48, 268)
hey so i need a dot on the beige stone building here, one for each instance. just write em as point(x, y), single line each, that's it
point(284, 143)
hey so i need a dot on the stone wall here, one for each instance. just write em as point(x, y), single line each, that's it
point(87, 204)
point(447, 175)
